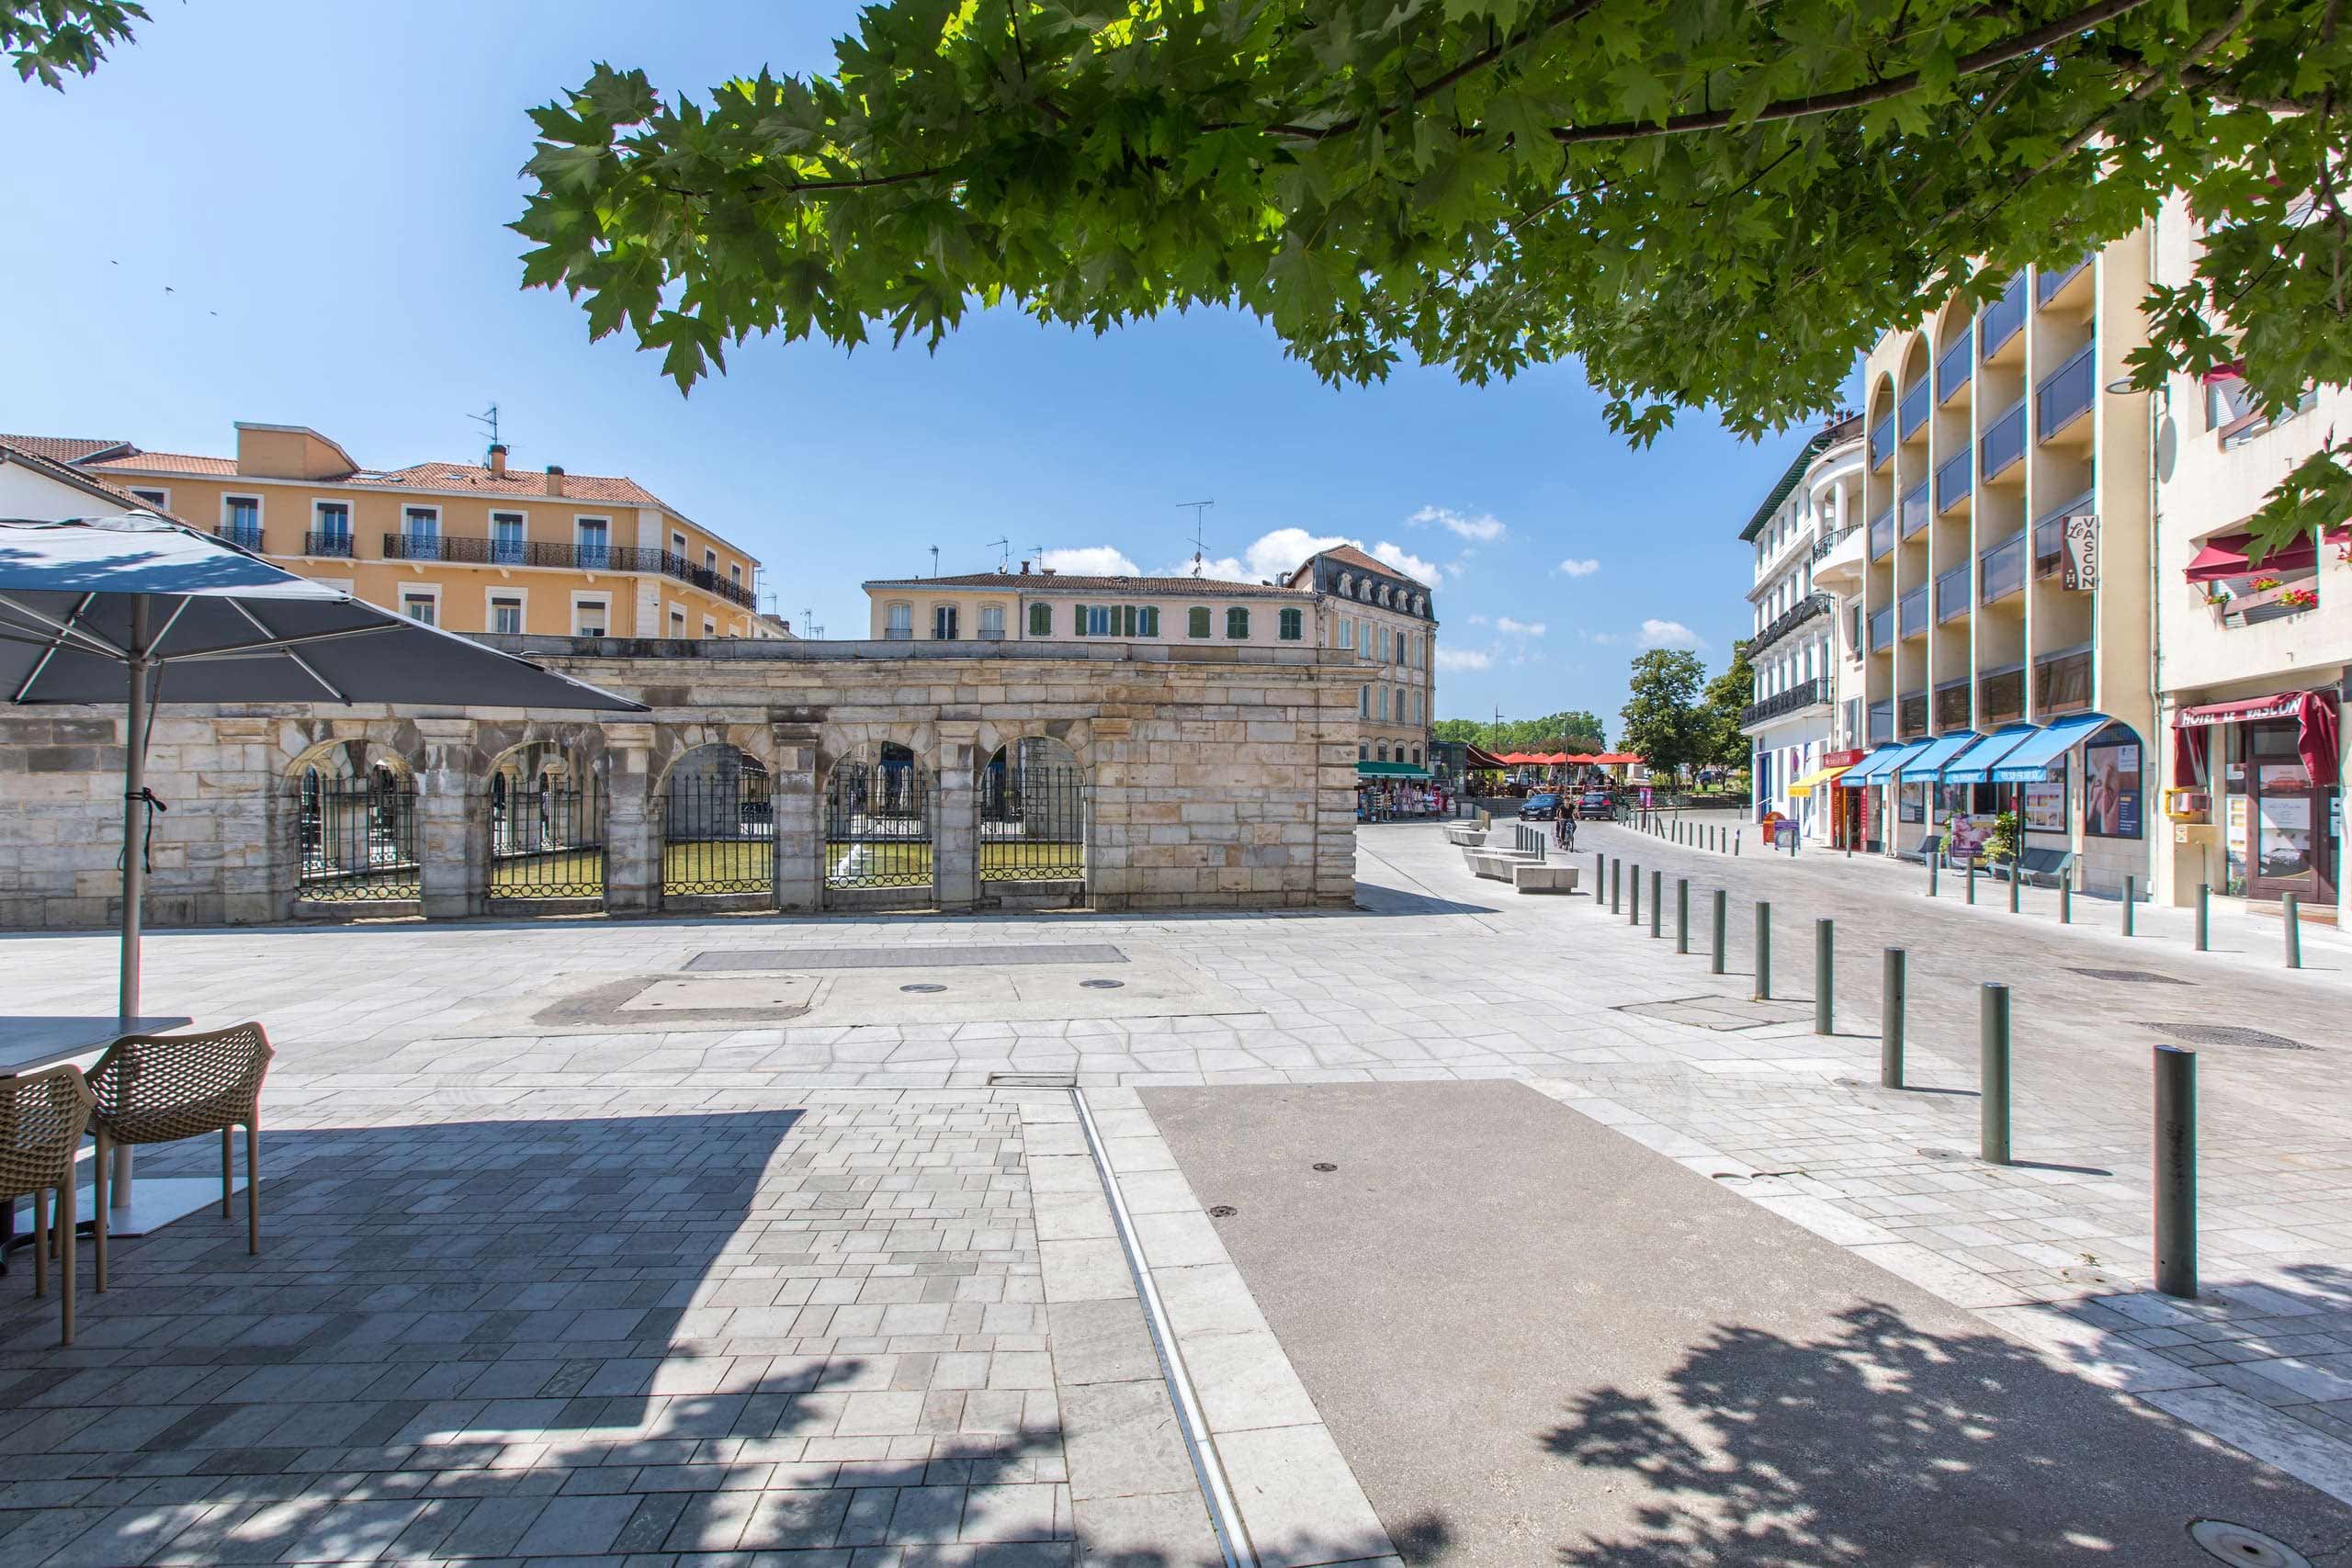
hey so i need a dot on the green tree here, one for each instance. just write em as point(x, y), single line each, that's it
point(46, 39)
point(1723, 744)
point(1663, 722)
point(1461, 732)
point(1705, 203)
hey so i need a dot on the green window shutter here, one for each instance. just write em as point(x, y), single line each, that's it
point(1127, 614)
point(1151, 620)
point(1200, 622)
point(1237, 623)
point(1077, 620)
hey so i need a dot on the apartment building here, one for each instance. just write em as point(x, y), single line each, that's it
point(470, 548)
point(1339, 599)
point(1806, 714)
point(2004, 584)
point(2253, 660)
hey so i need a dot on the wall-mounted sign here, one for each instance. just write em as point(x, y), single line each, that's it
point(2082, 551)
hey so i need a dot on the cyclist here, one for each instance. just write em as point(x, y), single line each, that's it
point(1564, 822)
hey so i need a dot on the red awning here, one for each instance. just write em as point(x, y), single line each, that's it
point(2283, 705)
point(1479, 757)
point(1552, 759)
point(2315, 732)
point(2224, 557)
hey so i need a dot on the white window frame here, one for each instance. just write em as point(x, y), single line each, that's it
point(993, 608)
point(709, 627)
point(1364, 701)
point(1348, 633)
point(261, 509)
point(157, 496)
point(710, 561)
point(350, 522)
point(432, 590)
point(890, 613)
point(678, 547)
point(675, 623)
point(604, 602)
point(954, 623)
point(489, 598)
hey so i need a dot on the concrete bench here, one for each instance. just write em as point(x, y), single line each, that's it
point(1498, 864)
point(1466, 835)
point(1548, 877)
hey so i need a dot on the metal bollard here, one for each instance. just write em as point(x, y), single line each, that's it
point(1972, 882)
point(1616, 887)
point(1599, 876)
point(1657, 902)
point(1635, 919)
point(1681, 914)
point(2065, 898)
point(1824, 959)
point(2288, 907)
point(2016, 884)
point(2175, 1170)
point(1890, 1018)
point(1722, 924)
point(1993, 1073)
point(1763, 951)
point(2131, 892)
point(1735, 845)
point(2204, 897)
point(1933, 861)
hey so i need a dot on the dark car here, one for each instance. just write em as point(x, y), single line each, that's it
point(1539, 807)
point(1598, 806)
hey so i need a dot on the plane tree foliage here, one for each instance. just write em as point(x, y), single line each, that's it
point(1710, 203)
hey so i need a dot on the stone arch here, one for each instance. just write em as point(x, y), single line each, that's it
point(715, 813)
point(1034, 812)
point(878, 815)
point(350, 812)
point(673, 742)
point(545, 796)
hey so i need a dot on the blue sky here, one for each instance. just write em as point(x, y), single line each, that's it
point(294, 213)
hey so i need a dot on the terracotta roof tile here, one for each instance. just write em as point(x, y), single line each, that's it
point(63, 448)
point(138, 462)
point(1357, 558)
point(516, 481)
point(72, 474)
point(1172, 587)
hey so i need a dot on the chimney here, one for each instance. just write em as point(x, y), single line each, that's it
point(1049, 571)
point(555, 480)
point(498, 459)
point(1024, 568)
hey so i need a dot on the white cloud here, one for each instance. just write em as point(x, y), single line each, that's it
point(1093, 561)
point(1482, 527)
point(1224, 568)
point(1464, 659)
point(1669, 633)
point(1575, 566)
point(1278, 554)
point(1398, 558)
point(1477, 620)
point(1522, 628)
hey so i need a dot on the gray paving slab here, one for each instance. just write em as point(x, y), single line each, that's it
point(1536, 1340)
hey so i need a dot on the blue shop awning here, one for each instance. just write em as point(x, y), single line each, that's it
point(1873, 769)
point(2032, 759)
point(1975, 764)
point(1923, 767)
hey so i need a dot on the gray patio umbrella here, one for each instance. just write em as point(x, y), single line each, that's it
point(93, 608)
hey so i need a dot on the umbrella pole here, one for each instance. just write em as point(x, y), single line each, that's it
point(134, 780)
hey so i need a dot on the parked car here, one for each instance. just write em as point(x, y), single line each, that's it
point(1598, 805)
point(1539, 808)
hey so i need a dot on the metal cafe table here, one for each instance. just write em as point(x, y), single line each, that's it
point(30, 1043)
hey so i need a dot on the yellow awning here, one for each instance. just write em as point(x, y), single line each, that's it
point(1818, 777)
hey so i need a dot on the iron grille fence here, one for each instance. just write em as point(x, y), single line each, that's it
point(1033, 823)
point(717, 834)
point(356, 839)
point(878, 824)
point(546, 841)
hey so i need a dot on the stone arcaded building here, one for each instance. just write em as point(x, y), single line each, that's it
point(795, 776)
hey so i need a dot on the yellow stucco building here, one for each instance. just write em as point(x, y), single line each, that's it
point(473, 548)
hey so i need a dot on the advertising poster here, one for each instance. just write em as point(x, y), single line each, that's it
point(2111, 789)
point(1913, 807)
point(2234, 838)
point(2044, 806)
point(1968, 835)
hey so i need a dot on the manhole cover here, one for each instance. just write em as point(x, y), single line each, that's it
point(925, 986)
point(2131, 976)
point(2226, 1542)
point(1223, 1212)
point(2227, 1034)
point(1101, 985)
point(1325, 1165)
point(1033, 1081)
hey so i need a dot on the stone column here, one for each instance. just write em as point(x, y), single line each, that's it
point(452, 824)
point(955, 822)
point(799, 817)
point(632, 834)
point(1116, 825)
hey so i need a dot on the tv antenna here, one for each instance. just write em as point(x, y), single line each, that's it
point(934, 560)
point(1200, 547)
point(488, 420)
point(1003, 548)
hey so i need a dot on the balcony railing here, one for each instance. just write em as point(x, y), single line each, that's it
point(2050, 534)
point(1789, 620)
point(1911, 715)
point(1953, 370)
point(1914, 611)
point(991, 634)
point(1882, 533)
point(1913, 409)
point(2000, 694)
point(245, 535)
point(1915, 511)
point(1828, 541)
point(2062, 680)
point(898, 634)
point(1882, 630)
point(1804, 695)
point(1952, 480)
point(1952, 595)
point(337, 544)
point(1882, 722)
point(2050, 280)
point(1952, 705)
point(470, 551)
point(1881, 442)
point(2003, 445)
point(2002, 320)
point(2004, 569)
point(2065, 395)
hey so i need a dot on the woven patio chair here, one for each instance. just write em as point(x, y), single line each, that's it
point(42, 1119)
point(159, 1089)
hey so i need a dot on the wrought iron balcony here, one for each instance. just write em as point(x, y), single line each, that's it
point(1804, 695)
point(245, 535)
point(337, 544)
point(898, 634)
point(467, 550)
point(1789, 620)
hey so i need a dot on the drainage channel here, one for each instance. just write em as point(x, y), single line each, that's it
point(1208, 1470)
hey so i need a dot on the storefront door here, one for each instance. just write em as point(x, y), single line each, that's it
point(2291, 836)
